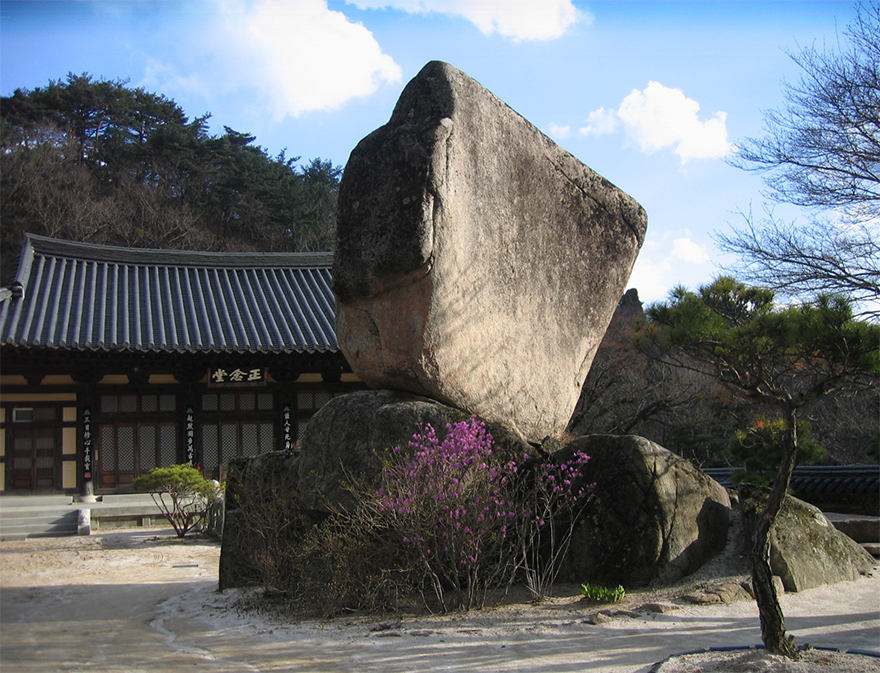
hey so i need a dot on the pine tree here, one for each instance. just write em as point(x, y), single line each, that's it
point(780, 357)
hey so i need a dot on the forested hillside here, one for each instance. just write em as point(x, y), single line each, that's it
point(103, 162)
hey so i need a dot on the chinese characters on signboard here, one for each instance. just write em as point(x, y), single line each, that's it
point(87, 444)
point(190, 435)
point(288, 439)
point(237, 377)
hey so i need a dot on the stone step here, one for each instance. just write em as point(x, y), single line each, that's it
point(12, 537)
point(104, 511)
point(873, 548)
point(38, 530)
point(861, 528)
point(38, 517)
point(126, 498)
point(17, 501)
point(37, 523)
point(22, 517)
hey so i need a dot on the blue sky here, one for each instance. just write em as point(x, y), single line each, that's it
point(652, 95)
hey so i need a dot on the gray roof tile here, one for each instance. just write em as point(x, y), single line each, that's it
point(92, 297)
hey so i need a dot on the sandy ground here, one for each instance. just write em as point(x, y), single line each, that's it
point(140, 600)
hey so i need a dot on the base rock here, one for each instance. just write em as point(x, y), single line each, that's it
point(806, 550)
point(653, 517)
point(346, 438)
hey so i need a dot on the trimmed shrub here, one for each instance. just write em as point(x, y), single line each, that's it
point(181, 492)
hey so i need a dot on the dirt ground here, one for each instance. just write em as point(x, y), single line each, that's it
point(140, 600)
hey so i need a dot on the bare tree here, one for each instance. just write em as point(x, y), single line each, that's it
point(799, 261)
point(821, 151)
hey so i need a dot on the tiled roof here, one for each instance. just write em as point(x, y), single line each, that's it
point(82, 296)
point(820, 479)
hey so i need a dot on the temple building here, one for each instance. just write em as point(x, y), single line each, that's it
point(117, 360)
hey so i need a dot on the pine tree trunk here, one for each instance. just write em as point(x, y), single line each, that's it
point(770, 611)
point(772, 620)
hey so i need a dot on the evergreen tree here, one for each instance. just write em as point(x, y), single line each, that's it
point(99, 161)
point(783, 358)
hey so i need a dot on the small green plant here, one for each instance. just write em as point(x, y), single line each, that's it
point(604, 594)
point(181, 492)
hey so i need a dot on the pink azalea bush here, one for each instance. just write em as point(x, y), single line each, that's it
point(552, 496)
point(467, 524)
point(451, 523)
point(451, 508)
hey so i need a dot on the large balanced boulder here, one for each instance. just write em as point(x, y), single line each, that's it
point(346, 439)
point(477, 262)
point(806, 550)
point(652, 517)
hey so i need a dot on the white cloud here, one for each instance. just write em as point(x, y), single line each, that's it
point(666, 262)
point(513, 19)
point(600, 122)
point(162, 76)
point(290, 56)
point(307, 57)
point(688, 251)
point(560, 132)
point(650, 279)
point(661, 117)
